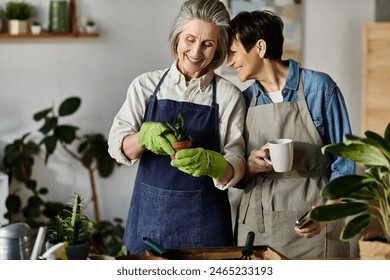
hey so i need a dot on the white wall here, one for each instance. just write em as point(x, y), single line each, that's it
point(35, 74)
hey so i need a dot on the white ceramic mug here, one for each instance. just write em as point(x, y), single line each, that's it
point(281, 154)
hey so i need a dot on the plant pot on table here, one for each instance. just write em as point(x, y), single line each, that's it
point(74, 252)
point(374, 246)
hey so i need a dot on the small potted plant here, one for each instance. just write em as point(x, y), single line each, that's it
point(72, 228)
point(183, 139)
point(17, 14)
point(90, 26)
point(365, 198)
point(36, 28)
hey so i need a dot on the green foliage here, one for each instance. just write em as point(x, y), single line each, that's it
point(360, 193)
point(90, 150)
point(18, 10)
point(71, 226)
point(177, 129)
point(107, 239)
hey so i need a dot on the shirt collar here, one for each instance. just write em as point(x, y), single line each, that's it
point(292, 80)
point(202, 81)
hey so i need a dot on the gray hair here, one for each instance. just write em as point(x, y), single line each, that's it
point(212, 11)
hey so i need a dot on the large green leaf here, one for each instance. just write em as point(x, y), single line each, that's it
point(380, 173)
point(50, 143)
point(49, 124)
point(106, 167)
point(343, 186)
point(363, 194)
point(31, 148)
point(32, 209)
point(22, 171)
point(337, 211)
point(69, 106)
point(356, 226)
point(13, 203)
point(42, 114)
point(363, 153)
point(379, 142)
point(31, 185)
point(387, 133)
point(66, 133)
point(87, 158)
point(11, 155)
point(350, 139)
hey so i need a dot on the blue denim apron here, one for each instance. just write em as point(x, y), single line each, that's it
point(171, 207)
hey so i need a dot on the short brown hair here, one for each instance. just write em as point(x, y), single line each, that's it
point(249, 27)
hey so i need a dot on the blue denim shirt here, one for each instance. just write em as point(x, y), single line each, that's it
point(326, 105)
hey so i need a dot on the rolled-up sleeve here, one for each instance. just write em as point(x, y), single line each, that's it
point(128, 120)
point(232, 118)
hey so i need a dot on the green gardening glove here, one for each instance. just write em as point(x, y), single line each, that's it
point(153, 136)
point(198, 162)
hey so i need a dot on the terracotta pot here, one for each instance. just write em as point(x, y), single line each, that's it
point(178, 146)
point(374, 248)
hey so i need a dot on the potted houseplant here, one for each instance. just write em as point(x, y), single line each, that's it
point(183, 139)
point(90, 26)
point(27, 200)
point(17, 14)
point(36, 28)
point(72, 228)
point(365, 198)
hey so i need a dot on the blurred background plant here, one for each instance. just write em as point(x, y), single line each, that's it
point(91, 150)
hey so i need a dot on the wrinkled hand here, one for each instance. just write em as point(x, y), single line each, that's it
point(256, 163)
point(311, 229)
point(154, 137)
point(198, 162)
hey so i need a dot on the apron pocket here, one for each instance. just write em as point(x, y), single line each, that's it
point(169, 214)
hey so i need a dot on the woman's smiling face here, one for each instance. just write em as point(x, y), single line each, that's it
point(196, 47)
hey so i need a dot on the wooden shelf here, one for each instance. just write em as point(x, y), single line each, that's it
point(73, 27)
point(6, 36)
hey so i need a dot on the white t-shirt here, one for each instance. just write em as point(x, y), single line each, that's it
point(275, 96)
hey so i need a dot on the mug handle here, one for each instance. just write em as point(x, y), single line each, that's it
point(268, 160)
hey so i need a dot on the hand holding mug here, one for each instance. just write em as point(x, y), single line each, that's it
point(281, 154)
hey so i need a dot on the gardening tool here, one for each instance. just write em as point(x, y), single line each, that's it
point(38, 243)
point(158, 250)
point(247, 252)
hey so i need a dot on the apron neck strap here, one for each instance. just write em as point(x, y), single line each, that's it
point(160, 82)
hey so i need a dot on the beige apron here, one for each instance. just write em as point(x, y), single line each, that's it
point(272, 202)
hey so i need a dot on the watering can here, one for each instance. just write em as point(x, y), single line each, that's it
point(15, 242)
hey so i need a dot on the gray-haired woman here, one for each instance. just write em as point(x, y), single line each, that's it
point(183, 202)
